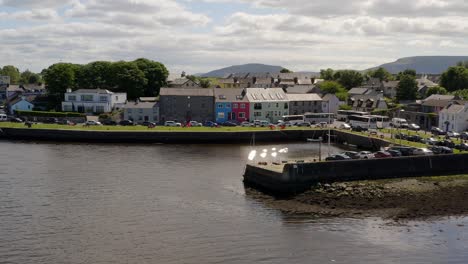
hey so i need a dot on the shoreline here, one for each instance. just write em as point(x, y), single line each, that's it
point(397, 199)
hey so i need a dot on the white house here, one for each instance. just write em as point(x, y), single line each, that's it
point(454, 117)
point(93, 101)
point(142, 111)
point(330, 103)
point(267, 104)
point(21, 103)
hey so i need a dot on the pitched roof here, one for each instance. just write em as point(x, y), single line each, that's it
point(304, 81)
point(390, 84)
point(140, 105)
point(454, 108)
point(186, 92)
point(258, 95)
point(328, 97)
point(98, 91)
point(302, 89)
point(229, 95)
point(440, 97)
point(17, 99)
point(304, 97)
point(263, 81)
point(181, 81)
point(358, 91)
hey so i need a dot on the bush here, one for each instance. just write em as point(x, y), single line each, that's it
point(49, 114)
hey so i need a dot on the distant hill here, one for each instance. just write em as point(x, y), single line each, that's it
point(423, 64)
point(246, 68)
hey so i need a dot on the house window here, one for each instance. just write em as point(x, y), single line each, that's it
point(87, 97)
point(140, 118)
point(277, 105)
point(99, 109)
point(129, 111)
point(220, 105)
point(221, 115)
point(303, 103)
point(103, 98)
point(140, 111)
point(257, 114)
point(72, 98)
point(295, 103)
point(242, 106)
point(235, 106)
point(116, 98)
point(286, 106)
point(228, 106)
point(257, 106)
point(241, 115)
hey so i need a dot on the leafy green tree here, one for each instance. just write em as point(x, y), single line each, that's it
point(205, 83)
point(96, 75)
point(345, 107)
point(455, 78)
point(129, 78)
point(407, 88)
point(11, 71)
point(59, 77)
point(406, 72)
point(463, 64)
point(381, 73)
point(284, 70)
point(349, 78)
point(28, 77)
point(435, 90)
point(334, 88)
point(327, 74)
point(155, 73)
point(463, 94)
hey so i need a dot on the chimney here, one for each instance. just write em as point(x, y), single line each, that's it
point(69, 90)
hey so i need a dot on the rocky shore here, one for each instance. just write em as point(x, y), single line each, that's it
point(418, 198)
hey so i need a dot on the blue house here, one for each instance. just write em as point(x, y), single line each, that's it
point(225, 101)
point(22, 103)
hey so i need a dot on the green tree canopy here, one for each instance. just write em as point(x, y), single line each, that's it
point(463, 94)
point(436, 90)
point(407, 88)
point(334, 88)
point(13, 72)
point(381, 73)
point(406, 72)
point(95, 75)
point(28, 77)
point(284, 70)
point(129, 78)
point(327, 74)
point(455, 78)
point(349, 78)
point(155, 73)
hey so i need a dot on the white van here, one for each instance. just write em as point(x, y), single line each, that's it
point(399, 122)
point(3, 118)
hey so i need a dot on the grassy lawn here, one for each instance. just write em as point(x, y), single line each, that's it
point(144, 128)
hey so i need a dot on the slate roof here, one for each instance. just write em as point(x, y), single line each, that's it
point(17, 99)
point(229, 95)
point(304, 97)
point(258, 95)
point(181, 81)
point(94, 91)
point(140, 105)
point(358, 91)
point(454, 108)
point(186, 92)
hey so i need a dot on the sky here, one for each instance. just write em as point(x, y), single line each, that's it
point(198, 36)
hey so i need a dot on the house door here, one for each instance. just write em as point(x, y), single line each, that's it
point(81, 109)
point(232, 116)
point(146, 118)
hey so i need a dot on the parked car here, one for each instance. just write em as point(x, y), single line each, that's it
point(365, 155)
point(453, 134)
point(394, 153)
point(441, 150)
point(64, 122)
point(414, 138)
point(382, 154)
point(148, 124)
point(462, 146)
point(414, 127)
point(304, 124)
point(195, 124)
point(322, 124)
point(437, 131)
point(359, 129)
point(282, 123)
point(401, 136)
point(3, 118)
point(430, 141)
point(109, 123)
point(92, 123)
point(51, 120)
point(345, 126)
point(210, 124)
point(126, 123)
point(246, 124)
point(229, 124)
point(405, 151)
point(446, 143)
point(464, 135)
point(422, 152)
point(351, 154)
point(337, 157)
point(15, 119)
point(172, 124)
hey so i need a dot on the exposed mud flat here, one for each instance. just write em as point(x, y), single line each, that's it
point(412, 198)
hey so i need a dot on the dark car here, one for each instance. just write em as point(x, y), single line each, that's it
point(401, 136)
point(51, 120)
point(382, 154)
point(351, 154)
point(109, 123)
point(64, 122)
point(304, 124)
point(337, 157)
point(437, 131)
point(405, 151)
point(229, 124)
point(446, 143)
point(462, 146)
point(359, 129)
point(441, 150)
point(394, 153)
point(414, 138)
point(126, 123)
point(15, 120)
point(148, 124)
point(210, 124)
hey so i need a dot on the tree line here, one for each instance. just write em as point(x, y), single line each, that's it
point(17, 77)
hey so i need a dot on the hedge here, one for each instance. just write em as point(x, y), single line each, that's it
point(49, 114)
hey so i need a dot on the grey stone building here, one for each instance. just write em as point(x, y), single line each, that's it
point(183, 105)
point(142, 111)
point(304, 103)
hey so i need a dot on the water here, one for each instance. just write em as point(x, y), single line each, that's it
point(74, 203)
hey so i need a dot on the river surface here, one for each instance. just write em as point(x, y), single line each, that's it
point(79, 203)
